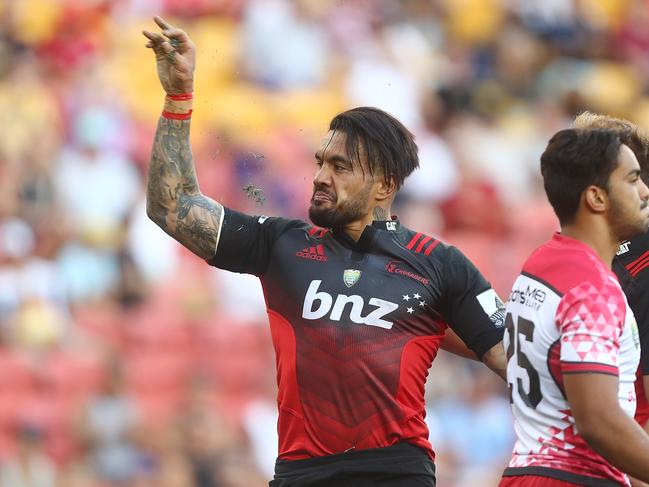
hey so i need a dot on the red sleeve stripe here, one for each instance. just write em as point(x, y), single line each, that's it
point(637, 270)
point(422, 243)
point(638, 262)
point(313, 231)
point(431, 247)
point(413, 241)
point(581, 367)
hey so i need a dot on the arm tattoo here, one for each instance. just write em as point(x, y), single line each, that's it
point(174, 201)
point(379, 213)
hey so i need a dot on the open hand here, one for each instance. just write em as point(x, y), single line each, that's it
point(175, 56)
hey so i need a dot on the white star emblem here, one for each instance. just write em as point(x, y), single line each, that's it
point(422, 303)
point(410, 310)
point(406, 297)
point(416, 296)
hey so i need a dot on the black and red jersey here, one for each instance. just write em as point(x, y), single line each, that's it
point(631, 265)
point(356, 325)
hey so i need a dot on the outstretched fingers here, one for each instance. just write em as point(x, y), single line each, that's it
point(162, 23)
point(155, 39)
point(160, 45)
point(177, 37)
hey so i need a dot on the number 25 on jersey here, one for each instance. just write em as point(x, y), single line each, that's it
point(520, 331)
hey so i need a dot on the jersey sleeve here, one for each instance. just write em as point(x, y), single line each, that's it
point(590, 318)
point(246, 242)
point(474, 310)
point(643, 331)
point(637, 293)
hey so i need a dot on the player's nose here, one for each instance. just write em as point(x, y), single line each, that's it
point(322, 176)
point(644, 191)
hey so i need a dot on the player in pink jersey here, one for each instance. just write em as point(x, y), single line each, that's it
point(631, 264)
point(572, 341)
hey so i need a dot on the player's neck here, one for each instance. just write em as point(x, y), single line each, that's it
point(355, 229)
point(597, 235)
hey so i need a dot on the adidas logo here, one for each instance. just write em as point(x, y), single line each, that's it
point(313, 253)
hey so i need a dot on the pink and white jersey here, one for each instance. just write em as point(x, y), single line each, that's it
point(566, 314)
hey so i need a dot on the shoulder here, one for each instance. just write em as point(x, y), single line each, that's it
point(564, 267)
point(432, 247)
point(441, 259)
point(599, 306)
point(633, 255)
point(418, 242)
point(274, 224)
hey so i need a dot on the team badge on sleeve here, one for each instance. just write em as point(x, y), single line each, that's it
point(351, 277)
point(493, 306)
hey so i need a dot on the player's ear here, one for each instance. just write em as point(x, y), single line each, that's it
point(596, 199)
point(387, 187)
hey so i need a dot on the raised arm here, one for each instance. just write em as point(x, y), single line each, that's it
point(174, 200)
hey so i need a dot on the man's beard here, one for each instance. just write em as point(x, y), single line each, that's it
point(623, 227)
point(337, 217)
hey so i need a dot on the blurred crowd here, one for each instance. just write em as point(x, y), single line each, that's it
point(127, 362)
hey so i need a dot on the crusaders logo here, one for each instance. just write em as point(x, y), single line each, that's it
point(351, 277)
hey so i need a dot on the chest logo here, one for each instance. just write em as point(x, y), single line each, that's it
point(395, 267)
point(351, 277)
point(315, 252)
point(318, 304)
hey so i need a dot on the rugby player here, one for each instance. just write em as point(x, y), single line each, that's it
point(572, 341)
point(631, 263)
point(358, 304)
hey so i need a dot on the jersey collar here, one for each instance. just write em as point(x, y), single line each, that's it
point(391, 225)
point(364, 243)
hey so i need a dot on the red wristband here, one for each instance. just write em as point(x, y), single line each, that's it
point(177, 116)
point(181, 97)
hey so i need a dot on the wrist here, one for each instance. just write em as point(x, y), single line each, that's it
point(178, 106)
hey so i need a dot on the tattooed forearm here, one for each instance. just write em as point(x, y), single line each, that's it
point(174, 201)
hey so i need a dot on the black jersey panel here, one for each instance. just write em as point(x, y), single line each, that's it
point(473, 309)
point(631, 265)
point(246, 241)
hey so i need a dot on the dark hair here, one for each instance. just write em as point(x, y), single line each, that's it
point(390, 147)
point(635, 137)
point(575, 159)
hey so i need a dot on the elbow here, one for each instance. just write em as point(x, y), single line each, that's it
point(595, 429)
point(150, 210)
point(589, 431)
point(156, 214)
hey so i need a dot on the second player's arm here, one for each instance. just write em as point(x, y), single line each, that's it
point(604, 425)
point(174, 200)
point(494, 358)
